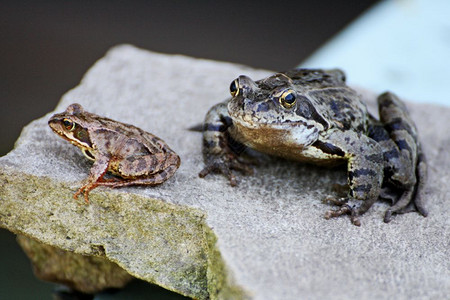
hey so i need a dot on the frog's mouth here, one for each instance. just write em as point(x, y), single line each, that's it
point(274, 137)
point(253, 122)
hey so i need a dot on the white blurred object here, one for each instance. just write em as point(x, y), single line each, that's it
point(397, 45)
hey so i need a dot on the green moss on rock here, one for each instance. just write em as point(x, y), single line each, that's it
point(120, 233)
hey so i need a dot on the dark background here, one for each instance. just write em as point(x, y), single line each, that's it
point(46, 47)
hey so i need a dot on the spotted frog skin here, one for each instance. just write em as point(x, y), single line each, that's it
point(133, 156)
point(311, 115)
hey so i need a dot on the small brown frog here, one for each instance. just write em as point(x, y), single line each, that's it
point(132, 155)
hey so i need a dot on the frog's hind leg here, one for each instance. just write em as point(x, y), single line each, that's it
point(421, 173)
point(405, 166)
point(153, 179)
point(413, 198)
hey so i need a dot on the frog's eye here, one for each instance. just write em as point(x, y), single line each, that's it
point(234, 88)
point(288, 98)
point(68, 124)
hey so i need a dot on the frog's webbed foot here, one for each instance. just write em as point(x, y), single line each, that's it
point(344, 209)
point(225, 164)
point(85, 189)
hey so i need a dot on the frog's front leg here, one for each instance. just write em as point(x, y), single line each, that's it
point(98, 170)
point(220, 151)
point(365, 172)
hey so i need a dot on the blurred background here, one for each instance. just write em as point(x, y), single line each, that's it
point(47, 46)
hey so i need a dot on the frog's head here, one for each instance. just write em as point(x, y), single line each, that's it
point(277, 107)
point(71, 125)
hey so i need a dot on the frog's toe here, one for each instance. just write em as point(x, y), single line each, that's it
point(345, 210)
point(219, 167)
point(404, 205)
point(226, 170)
point(334, 213)
point(225, 165)
point(206, 170)
point(84, 189)
point(216, 167)
point(390, 212)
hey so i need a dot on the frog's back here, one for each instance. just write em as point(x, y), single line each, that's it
point(342, 107)
point(316, 78)
point(329, 94)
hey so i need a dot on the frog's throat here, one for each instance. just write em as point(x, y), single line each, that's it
point(291, 135)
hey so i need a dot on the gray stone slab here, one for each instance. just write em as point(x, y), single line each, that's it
point(272, 240)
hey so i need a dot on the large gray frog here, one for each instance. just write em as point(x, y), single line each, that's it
point(311, 115)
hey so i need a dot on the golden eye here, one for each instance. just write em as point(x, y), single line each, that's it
point(234, 88)
point(69, 124)
point(288, 99)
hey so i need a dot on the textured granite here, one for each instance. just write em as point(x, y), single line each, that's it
point(264, 239)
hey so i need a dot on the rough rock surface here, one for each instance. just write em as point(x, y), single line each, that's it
point(264, 239)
